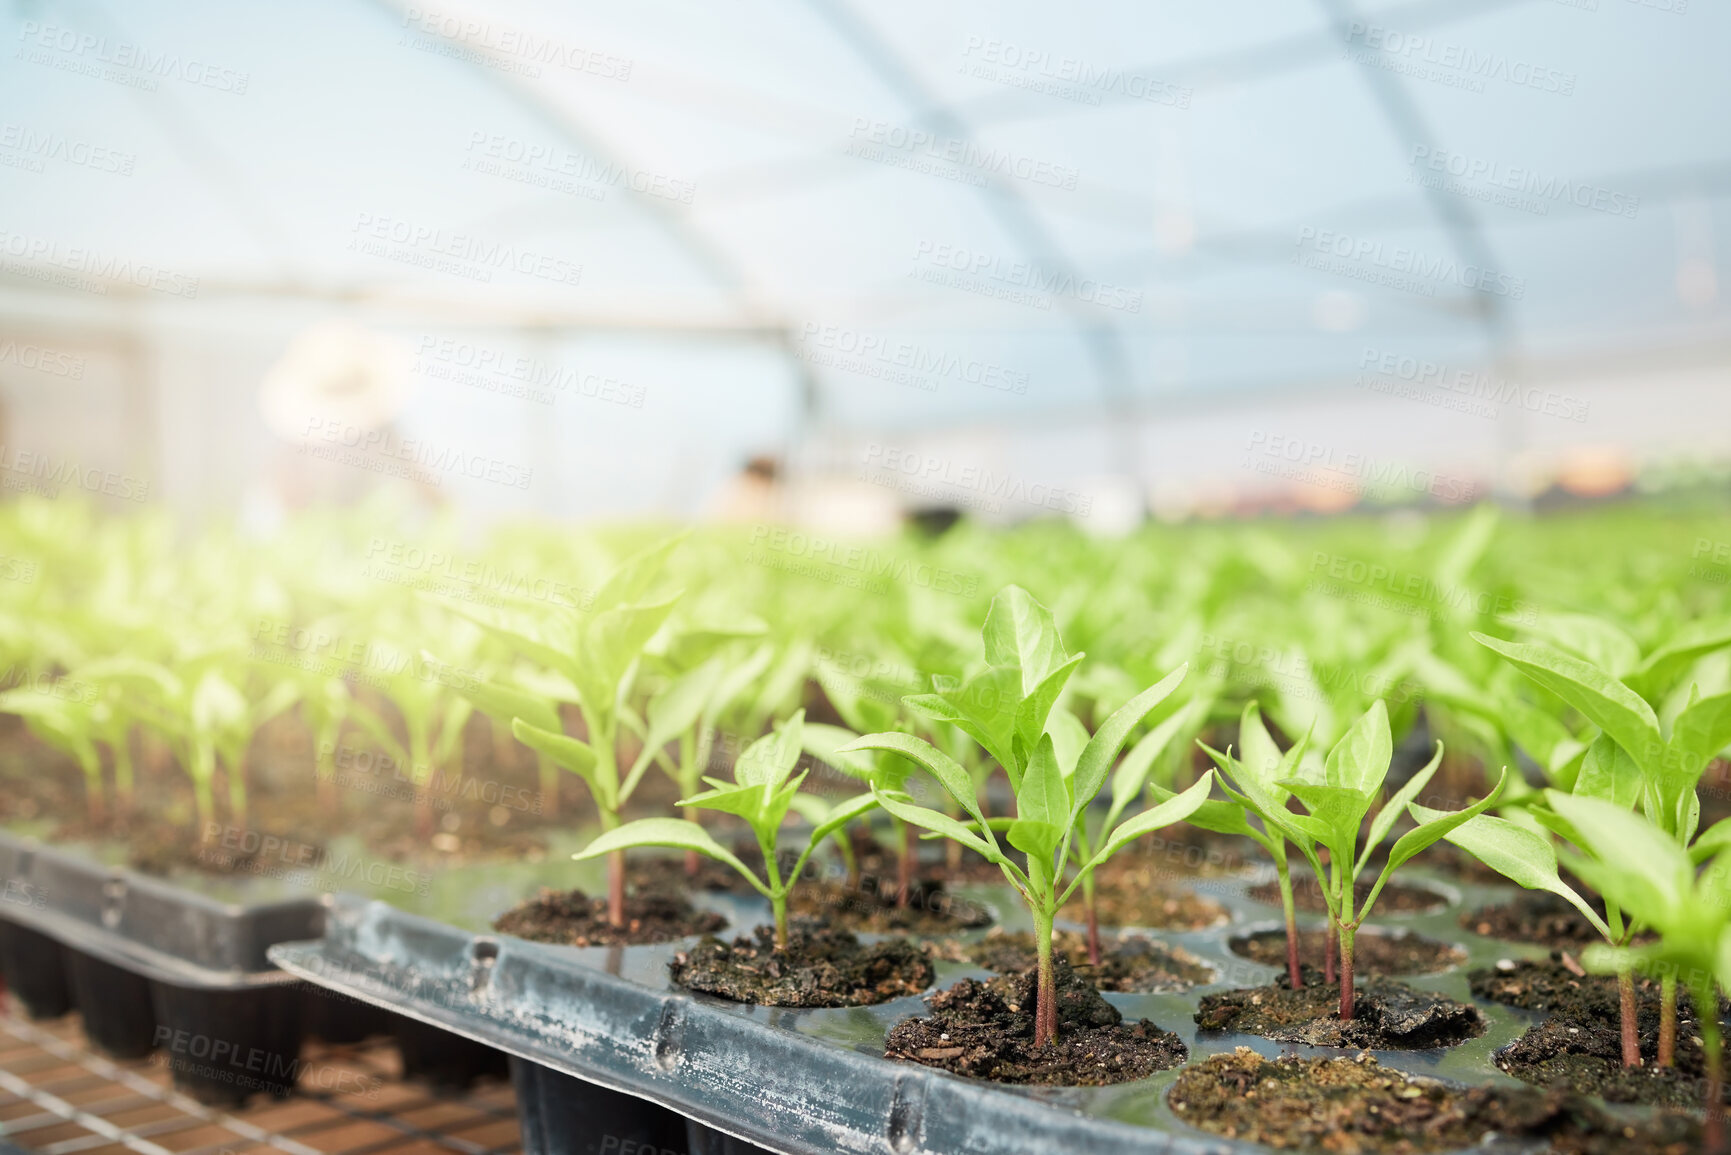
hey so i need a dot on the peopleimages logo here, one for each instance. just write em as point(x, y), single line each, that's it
point(1023, 281)
point(1333, 251)
point(1471, 64)
point(325, 438)
point(1469, 383)
point(1478, 175)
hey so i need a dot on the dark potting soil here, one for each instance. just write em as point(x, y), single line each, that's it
point(1142, 895)
point(1396, 897)
point(1133, 964)
point(1351, 1106)
point(1387, 1015)
point(818, 968)
point(930, 910)
point(986, 1030)
point(1372, 953)
point(1579, 1047)
point(572, 918)
point(1535, 916)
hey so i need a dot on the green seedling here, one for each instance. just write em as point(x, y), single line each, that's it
point(762, 792)
point(71, 721)
point(595, 653)
point(1027, 670)
point(1637, 865)
point(1337, 803)
point(1252, 780)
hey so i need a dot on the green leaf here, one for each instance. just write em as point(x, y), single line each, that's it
point(564, 750)
point(940, 765)
point(1337, 811)
point(1682, 649)
point(1020, 633)
point(1591, 639)
point(1174, 809)
point(748, 802)
point(615, 639)
point(1429, 833)
point(768, 761)
point(1258, 756)
point(1652, 873)
point(676, 708)
point(634, 577)
point(1609, 773)
point(1396, 806)
point(502, 703)
point(1102, 750)
point(1359, 761)
point(1042, 804)
point(1701, 731)
point(984, 708)
point(826, 743)
point(1033, 714)
point(1132, 773)
point(938, 822)
point(674, 832)
point(1069, 738)
point(1714, 839)
point(1604, 701)
point(1520, 855)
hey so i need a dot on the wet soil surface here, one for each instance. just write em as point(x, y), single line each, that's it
point(572, 918)
point(986, 1030)
point(1140, 894)
point(1348, 1106)
point(1535, 916)
point(1133, 964)
point(818, 968)
point(1579, 1046)
point(1372, 953)
point(1396, 897)
point(1387, 1016)
point(930, 910)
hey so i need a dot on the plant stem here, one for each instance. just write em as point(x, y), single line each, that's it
point(1046, 984)
point(1626, 1000)
point(1093, 910)
point(237, 793)
point(1667, 1020)
point(1328, 951)
point(1293, 974)
point(1706, 996)
point(1348, 994)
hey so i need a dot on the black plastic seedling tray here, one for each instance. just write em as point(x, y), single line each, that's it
point(150, 964)
point(805, 1082)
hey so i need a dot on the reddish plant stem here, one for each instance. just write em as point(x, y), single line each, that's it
point(616, 888)
point(1293, 974)
point(1626, 999)
point(1328, 953)
point(1348, 994)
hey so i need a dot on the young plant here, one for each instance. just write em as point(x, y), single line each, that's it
point(762, 792)
point(1337, 804)
point(1128, 782)
point(1252, 781)
point(70, 722)
point(596, 653)
point(1634, 863)
point(1051, 799)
